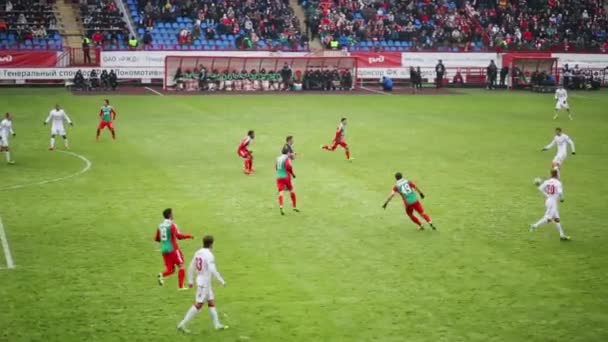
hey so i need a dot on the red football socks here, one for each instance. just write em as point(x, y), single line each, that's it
point(180, 277)
point(293, 198)
point(414, 219)
point(347, 154)
point(281, 200)
point(427, 218)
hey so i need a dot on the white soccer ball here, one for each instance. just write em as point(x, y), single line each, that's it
point(538, 181)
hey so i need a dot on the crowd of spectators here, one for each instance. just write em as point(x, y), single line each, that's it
point(544, 24)
point(104, 23)
point(28, 24)
point(242, 24)
point(422, 24)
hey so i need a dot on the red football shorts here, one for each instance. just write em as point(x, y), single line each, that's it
point(409, 208)
point(104, 124)
point(173, 258)
point(244, 154)
point(340, 143)
point(284, 184)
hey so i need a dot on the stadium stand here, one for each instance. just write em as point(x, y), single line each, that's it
point(104, 24)
point(217, 24)
point(456, 25)
point(544, 24)
point(392, 25)
point(28, 25)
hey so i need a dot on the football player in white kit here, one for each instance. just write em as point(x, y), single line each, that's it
point(562, 141)
point(57, 116)
point(553, 191)
point(6, 130)
point(203, 264)
point(561, 95)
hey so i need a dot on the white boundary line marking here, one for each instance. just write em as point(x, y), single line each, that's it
point(154, 91)
point(87, 167)
point(375, 91)
point(7, 251)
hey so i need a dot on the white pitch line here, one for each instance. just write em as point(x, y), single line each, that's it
point(154, 91)
point(375, 91)
point(7, 251)
point(87, 167)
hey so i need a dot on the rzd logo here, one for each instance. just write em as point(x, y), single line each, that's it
point(6, 59)
point(374, 60)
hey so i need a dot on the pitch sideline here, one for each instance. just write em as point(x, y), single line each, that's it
point(10, 263)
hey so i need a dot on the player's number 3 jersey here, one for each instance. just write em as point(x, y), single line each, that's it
point(203, 264)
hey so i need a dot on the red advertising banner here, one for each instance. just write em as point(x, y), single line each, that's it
point(378, 59)
point(20, 59)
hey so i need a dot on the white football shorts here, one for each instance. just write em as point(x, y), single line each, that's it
point(4, 140)
point(562, 104)
point(58, 130)
point(552, 212)
point(204, 294)
point(559, 158)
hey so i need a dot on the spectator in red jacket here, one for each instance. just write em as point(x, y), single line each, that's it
point(97, 38)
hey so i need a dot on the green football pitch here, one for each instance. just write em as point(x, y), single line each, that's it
point(342, 269)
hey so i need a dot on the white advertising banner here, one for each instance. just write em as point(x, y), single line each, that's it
point(450, 59)
point(599, 61)
point(156, 59)
point(68, 73)
point(377, 73)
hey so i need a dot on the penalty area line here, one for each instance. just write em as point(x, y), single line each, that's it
point(375, 91)
point(154, 91)
point(10, 263)
point(87, 167)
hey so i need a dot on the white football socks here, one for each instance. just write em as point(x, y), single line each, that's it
point(65, 143)
point(540, 222)
point(189, 315)
point(7, 154)
point(560, 229)
point(216, 320)
point(52, 142)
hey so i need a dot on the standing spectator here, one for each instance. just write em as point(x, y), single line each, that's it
point(147, 40)
point(105, 80)
point(491, 72)
point(439, 71)
point(86, 50)
point(504, 71)
point(97, 38)
point(113, 80)
point(286, 76)
point(9, 6)
point(133, 43)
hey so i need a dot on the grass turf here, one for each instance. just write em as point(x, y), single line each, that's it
point(342, 269)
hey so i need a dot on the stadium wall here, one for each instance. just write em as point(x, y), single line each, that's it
point(145, 66)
